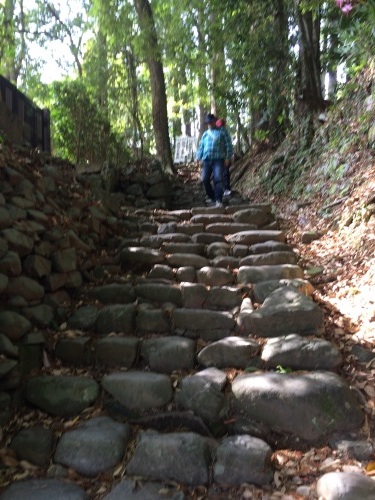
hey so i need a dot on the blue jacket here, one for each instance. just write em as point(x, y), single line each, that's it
point(215, 144)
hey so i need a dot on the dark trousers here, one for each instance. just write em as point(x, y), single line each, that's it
point(214, 168)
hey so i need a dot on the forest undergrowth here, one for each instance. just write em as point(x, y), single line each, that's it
point(333, 197)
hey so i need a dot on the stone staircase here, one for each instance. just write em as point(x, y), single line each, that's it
point(187, 359)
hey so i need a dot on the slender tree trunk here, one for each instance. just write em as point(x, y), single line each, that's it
point(137, 137)
point(11, 53)
point(73, 46)
point(187, 113)
point(158, 90)
point(278, 106)
point(218, 104)
point(176, 119)
point(102, 89)
point(202, 77)
point(310, 88)
point(309, 99)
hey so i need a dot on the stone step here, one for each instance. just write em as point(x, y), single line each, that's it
point(169, 352)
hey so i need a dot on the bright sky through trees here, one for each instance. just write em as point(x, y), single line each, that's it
point(55, 57)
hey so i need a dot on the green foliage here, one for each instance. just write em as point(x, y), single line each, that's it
point(357, 36)
point(250, 47)
point(81, 131)
point(282, 369)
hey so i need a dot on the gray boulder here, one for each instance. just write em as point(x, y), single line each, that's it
point(14, 325)
point(94, 447)
point(255, 274)
point(214, 276)
point(186, 259)
point(243, 459)
point(298, 353)
point(34, 444)
point(139, 390)
point(44, 489)
point(117, 351)
point(119, 318)
point(159, 293)
point(235, 352)
point(114, 293)
point(307, 406)
point(186, 457)
point(150, 319)
point(202, 394)
point(62, 395)
point(141, 256)
point(84, 318)
point(257, 236)
point(345, 486)
point(168, 354)
point(284, 311)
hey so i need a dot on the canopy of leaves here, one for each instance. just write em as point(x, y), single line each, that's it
point(240, 58)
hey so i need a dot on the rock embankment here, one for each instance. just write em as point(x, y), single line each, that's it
point(169, 349)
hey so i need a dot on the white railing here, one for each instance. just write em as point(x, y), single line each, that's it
point(185, 148)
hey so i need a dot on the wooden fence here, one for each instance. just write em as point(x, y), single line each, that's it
point(21, 121)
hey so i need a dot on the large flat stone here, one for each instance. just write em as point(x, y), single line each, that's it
point(117, 351)
point(298, 353)
point(256, 216)
point(214, 276)
point(141, 256)
point(181, 259)
point(192, 248)
point(62, 395)
point(254, 274)
point(94, 447)
point(345, 486)
point(243, 459)
point(284, 311)
point(198, 319)
point(159, 293)
point(231, 352)
point(167, 354)
point(139, 390)
point(186, 457)
point(257, 236)
point(308, 407)
point(229, 227)
point(269, 259)
point(119, 318)
point(113, 293)
point(44, 489)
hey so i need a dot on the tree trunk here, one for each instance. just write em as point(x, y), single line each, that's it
point(310, 88)
point(158, 90)
point(137, 134)
point(309, 99)
point(187, 112)
point(278, 104)
point(217, 72)
point(12, 52)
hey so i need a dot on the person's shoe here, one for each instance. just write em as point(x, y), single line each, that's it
point(209, 200)
point(227, 192)
point(218, 204)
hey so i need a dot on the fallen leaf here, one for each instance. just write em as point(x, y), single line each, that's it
point(370, 467)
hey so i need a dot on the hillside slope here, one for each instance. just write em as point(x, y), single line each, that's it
point(330, 190)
